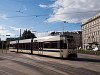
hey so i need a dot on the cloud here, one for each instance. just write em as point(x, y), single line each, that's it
point(42, 34)
point(10, 30)
point(5, 31)
point(72, 11)
point(3, 16)
point(24, 8)
point(43, 6)
point(14, 28)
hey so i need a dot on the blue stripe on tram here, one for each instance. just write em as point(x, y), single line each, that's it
point(51, 50)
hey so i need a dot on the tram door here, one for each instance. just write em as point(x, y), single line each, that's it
point(35, 46)
point(40, 50)
point(38, 47)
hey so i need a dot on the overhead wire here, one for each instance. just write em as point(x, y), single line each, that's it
point(38, 15)
point(43, 15)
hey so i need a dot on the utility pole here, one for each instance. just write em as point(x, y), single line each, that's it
point(32, 45)
point(20, 33)
point(7, 43)
point(2, 46)
point(17, 45)
point(63, 27)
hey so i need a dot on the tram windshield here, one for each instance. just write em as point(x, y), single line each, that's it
point(71, 43)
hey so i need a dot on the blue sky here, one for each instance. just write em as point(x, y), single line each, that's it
point(43, 15)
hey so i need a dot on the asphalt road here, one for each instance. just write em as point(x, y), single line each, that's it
point(24, 64)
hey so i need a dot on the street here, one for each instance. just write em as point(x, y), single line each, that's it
point(12, 63)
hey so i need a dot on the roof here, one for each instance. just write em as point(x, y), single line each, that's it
point(48, 38)
point(21, 41)
point(40, 39)
point(91, 19)
point(25, 41)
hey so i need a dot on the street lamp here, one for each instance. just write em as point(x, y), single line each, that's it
point(63, 27)
point(32, 43)
point(7, 43)
point(2, 45)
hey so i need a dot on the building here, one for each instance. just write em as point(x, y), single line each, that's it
point(91, 33)
point(77, 35)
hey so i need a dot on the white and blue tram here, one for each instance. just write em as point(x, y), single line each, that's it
point(55, 46)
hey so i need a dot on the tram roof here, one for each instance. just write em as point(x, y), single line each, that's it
point(48, 38)
point(21, 41)
point(25, 41)
point(13, 42)
point(40, 39)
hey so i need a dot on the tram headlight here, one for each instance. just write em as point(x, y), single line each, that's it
point(69, 51)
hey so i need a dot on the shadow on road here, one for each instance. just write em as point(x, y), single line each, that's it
point(72, 59)
point(86, 60)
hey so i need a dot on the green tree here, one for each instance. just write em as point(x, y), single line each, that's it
point(27, 34)
point(52, 33)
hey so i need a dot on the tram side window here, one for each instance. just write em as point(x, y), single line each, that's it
point(51, 44)
point(14, 46)
point(63, 45)
point(35, 46)
point(54, 44)
point(11, 46)
point(23, 45)
point(40, 44)
point(19, 45)
point(46, 44)
point(28, 46)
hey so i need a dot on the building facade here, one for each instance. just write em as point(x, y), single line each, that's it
point(91, 33)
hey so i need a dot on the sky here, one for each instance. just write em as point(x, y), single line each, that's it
point(43, 16)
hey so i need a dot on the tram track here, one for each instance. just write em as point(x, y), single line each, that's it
point(49, 67)
point(43, 70)
point(69, 69)
point(42, 66)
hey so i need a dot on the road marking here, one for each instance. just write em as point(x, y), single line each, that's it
point(39, 66)
point(6, 72)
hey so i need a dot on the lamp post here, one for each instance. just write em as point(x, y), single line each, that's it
point(63, 27)
point(7, 43)
point(2, 41)
point(2, 46)
point(32, 43)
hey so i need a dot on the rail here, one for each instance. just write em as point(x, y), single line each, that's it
point(89, 52)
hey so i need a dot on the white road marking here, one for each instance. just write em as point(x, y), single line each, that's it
point(6, 72)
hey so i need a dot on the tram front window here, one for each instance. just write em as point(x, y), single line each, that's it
point(63, 45)
point(71, 43)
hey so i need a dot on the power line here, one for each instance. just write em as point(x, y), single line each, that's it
point(79, 12)
point(37, 15)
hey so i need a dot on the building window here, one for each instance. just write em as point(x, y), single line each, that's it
point(99, 19)
point(98, 32)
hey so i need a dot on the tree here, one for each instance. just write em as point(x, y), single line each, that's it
point(55, 33)
point(52, 33)
point(27, 34)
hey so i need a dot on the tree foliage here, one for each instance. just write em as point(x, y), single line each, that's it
point(27, 34)
point(55, 33)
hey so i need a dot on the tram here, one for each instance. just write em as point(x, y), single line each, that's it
point(54, 46)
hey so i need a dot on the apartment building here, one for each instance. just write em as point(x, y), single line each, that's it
point(91, 33)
